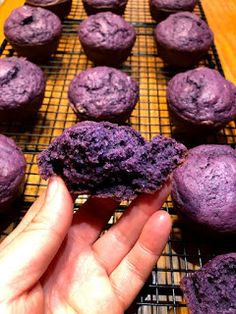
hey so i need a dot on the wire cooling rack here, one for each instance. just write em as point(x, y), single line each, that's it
point(183, 253)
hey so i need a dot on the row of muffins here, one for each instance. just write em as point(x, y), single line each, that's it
point(199, 97)
point(107, 39)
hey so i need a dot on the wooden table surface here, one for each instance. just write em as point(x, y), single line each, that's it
point(221, 15)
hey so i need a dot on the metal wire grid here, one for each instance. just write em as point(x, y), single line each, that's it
point(183, 254)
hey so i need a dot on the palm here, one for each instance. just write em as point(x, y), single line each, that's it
point(67, 268)
point(88, 287)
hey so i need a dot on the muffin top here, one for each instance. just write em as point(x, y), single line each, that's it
point(184, 31)
point(202, 96)
point(211, 289)
point(12, 164)
point(107, 160)
point(20, 82)
point(106, 30)
point(28, 25)
point(204, 187)
point(103, 93)
point(45, 2)
point(105, 3)
point(174, 5)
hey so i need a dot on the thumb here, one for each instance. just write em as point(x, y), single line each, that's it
point(24, 260)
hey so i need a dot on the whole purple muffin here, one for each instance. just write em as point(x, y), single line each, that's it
point(106, 38)
point(22, 87)
point(204, 189)
point(103, 93)
point(161, 9)
point(97, 6)
point(183, 39)
point(60, 7)
point(211, 289)
point(33, 32)
point(202, 97)
point(12, 164)
point(108, 160)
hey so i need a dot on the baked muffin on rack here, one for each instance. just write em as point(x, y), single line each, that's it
point(201, 98)
point(103, 94)
point(183, 39)
point(204, 189)
point(106, 38)
point(33, 32)
point(161, 9)
point(22, 87)
point(97, 6)
point(13, 165)
point(211, 289)
point(61, 8)
point(107, 160)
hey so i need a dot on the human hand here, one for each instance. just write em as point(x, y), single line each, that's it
point(55, 262)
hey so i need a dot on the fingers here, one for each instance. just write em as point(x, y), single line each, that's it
point(90, 220)
point(27, 257)
point(31, 213)
point(111, 248)
point(129, 277)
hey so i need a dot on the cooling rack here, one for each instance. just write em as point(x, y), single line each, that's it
point(183, 253)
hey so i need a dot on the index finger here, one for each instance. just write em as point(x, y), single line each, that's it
point(123, 235)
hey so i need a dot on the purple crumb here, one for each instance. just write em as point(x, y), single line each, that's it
point(108, 160)
point(212, 289)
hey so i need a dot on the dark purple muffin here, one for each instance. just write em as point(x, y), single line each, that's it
point(33, 32)
point(106, 38)
point(204, 189)
point(12, 164)
point(161, 9)
point(183, 39)
point(202, 97)
point(211, 290)
point(108, 160)
point(22, 87)
point(97, 6)
point(103, 94)
point(60, 7)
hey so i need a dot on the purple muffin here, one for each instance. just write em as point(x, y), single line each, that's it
point(183, 39)
point(161, 9)
point(204, 189)
point(60, 7)
point(211, 289)
point(108, 160)
point(202, 98)
point(97, 6)
point(106, 38)
point(34, 33)
point(12, 164)
point(22, 87)
point(103, 94)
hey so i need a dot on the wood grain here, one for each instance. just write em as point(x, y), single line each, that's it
point(221, 17)
point(5, 9)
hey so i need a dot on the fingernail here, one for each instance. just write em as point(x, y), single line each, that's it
point(51, 189)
